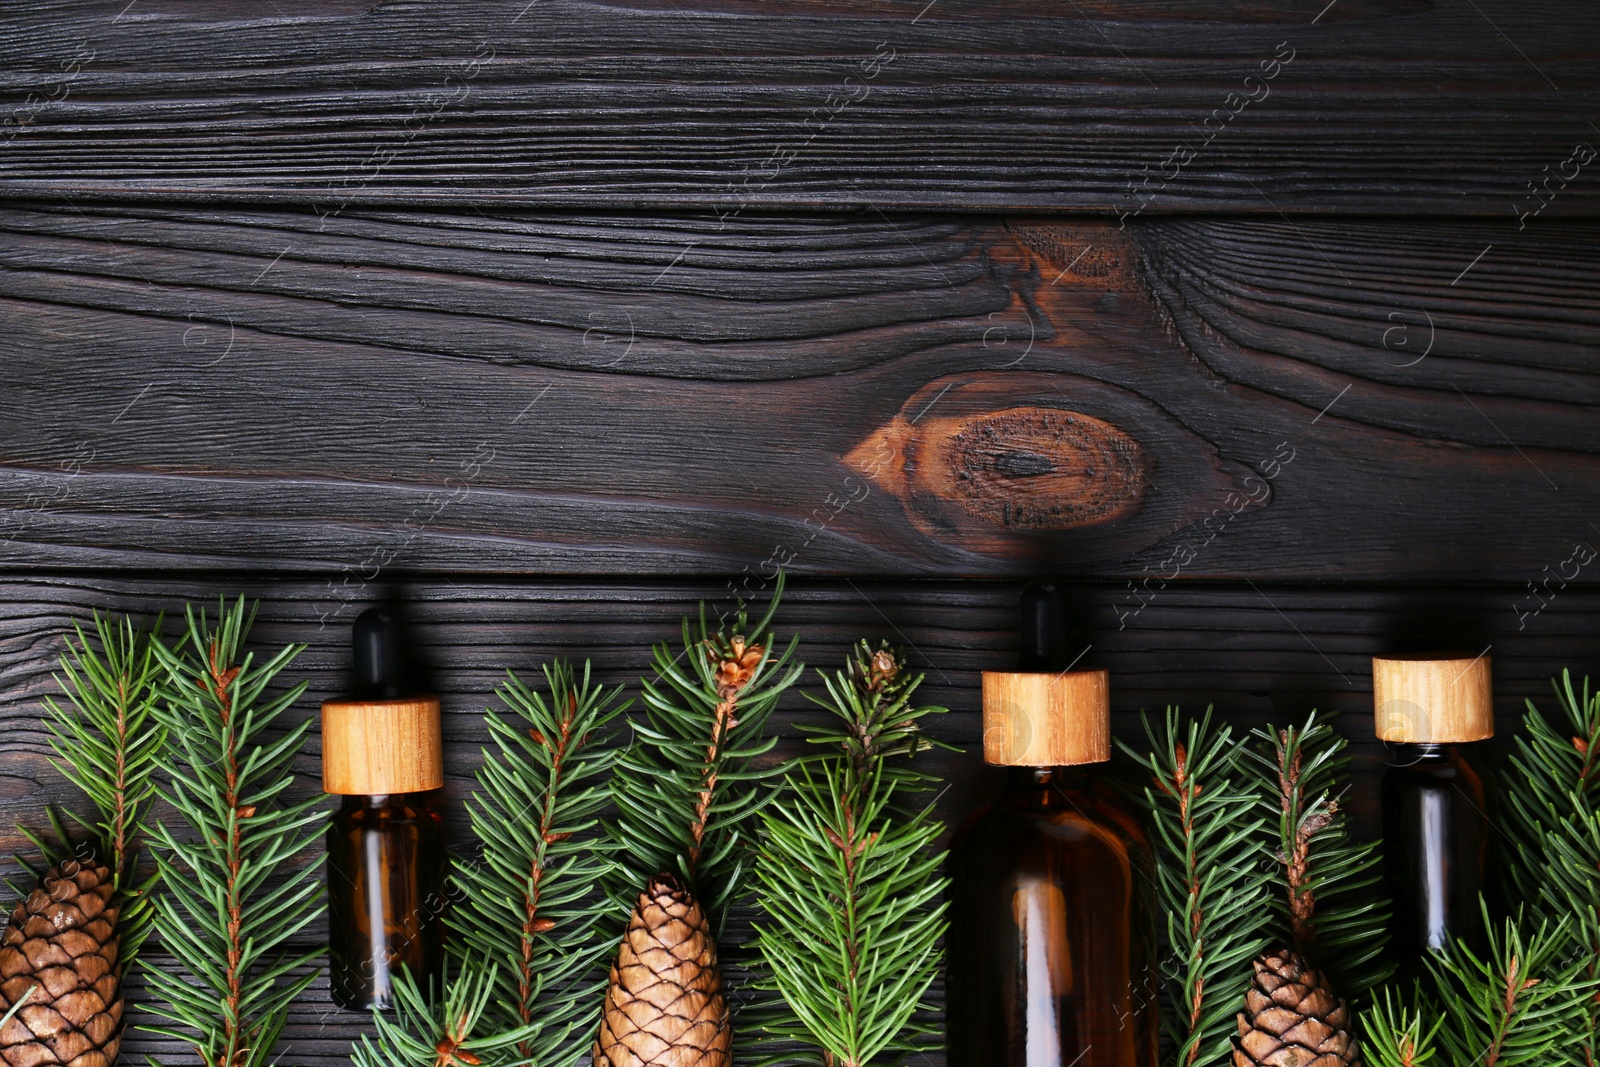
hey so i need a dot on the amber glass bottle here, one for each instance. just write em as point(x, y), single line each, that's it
point(1051, 942)
point(381, 753)
point(1436, 825)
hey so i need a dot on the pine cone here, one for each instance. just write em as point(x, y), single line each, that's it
point(1293, 1019)
point(63, 940)
point(665, 1007)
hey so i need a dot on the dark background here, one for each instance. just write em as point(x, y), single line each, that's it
point(1273, 329)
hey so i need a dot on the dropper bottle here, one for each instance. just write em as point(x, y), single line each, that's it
point(1051, 936)
point(1436, 826)
point(382, 755)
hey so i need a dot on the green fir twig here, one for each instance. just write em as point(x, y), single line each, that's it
point(240, 878)
point(1331, 912)
point(1394, 1034)
point(1554, 772)
point(1551, 792)
point(873, 723)
point(429, 1030)
point(106, 744)
point(527, 906)
point(1518, 1006)
point(848, 885)
point(1213, 879)
point(691, 784)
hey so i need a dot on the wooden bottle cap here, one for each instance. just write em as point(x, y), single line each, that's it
point(1045, 719)
point(374, 747)
point(1432, 701)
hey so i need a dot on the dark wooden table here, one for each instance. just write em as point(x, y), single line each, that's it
point(1273, 328)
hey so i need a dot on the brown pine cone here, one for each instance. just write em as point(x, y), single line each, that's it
point(1292, 1018)
point(665, 1007)
point(63, 940)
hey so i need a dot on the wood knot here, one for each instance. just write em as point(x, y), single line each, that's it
point(1043, 469)
point(1005, 463)
point(1019, 470)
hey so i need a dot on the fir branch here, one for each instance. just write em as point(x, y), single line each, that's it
point(1330, 912)
point(1212, 879)
point(1555, 767)
point(528, 904)
point(1551, 809)
point(690, 785)
point(1572, 889)
point(1518, 1006)
point(1393, 1035)
point(873, 719)
point(240, 883)
point(433, 1031)
point(107, 745)
point(847, 882)
point(852, 927)
point(1553, 776)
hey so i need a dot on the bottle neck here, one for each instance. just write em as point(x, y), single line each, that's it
point(1408, 752)
point(374, 802)
point(1069, 779)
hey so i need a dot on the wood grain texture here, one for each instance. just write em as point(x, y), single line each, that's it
point(1046, 718)
point(370, 747)
point(1433, 701)
point(326, 302)
point(516, 393)
point(1389, 106)
point(1264, 654)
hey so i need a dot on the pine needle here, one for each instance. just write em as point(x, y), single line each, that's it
point(429, 1030)
point(27, 995)
point(873, 722)
point(1331, 912)
point(241, 881)
point(1394, 1035)
point(691, 785)
point(1551, 810)
point(527, 907)
point(1518, 1006)
point(848, 885)
point(107, 745)
point(1212, 878)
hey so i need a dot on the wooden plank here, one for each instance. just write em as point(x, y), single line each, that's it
point(1192, 644)
point(1389, 106)
point(521, 393)
point(1267, 653)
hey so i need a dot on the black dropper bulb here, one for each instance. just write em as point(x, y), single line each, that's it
point(380, 672)
point(1042, 626)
